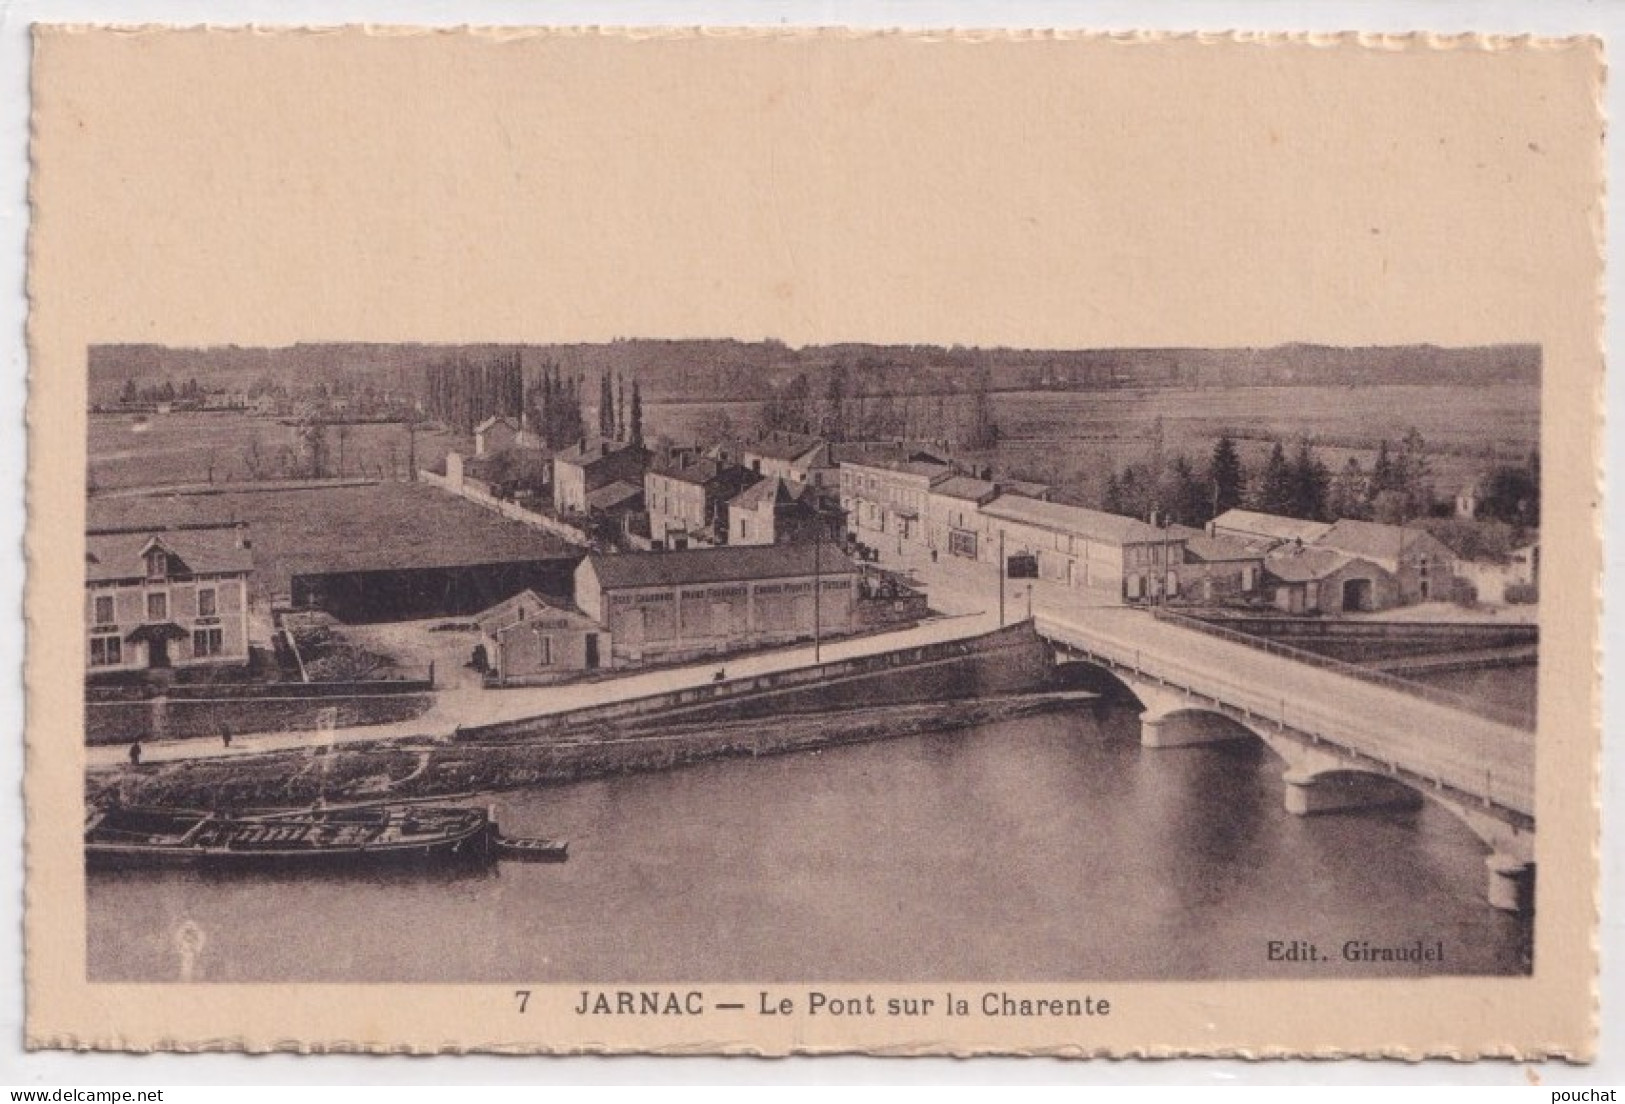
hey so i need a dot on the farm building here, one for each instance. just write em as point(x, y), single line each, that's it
point(687, 497)
point(707, 601)
point(777, 512)
point(1421, 566)
point(583, 468)
point(528, 639)
point(1323, 581)
point(1265, 531)
point(1216, 568)
point(495, 434)
point(167, 598)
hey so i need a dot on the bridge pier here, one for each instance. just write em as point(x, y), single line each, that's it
point(1187, 728)
point(1511, 882)
point(1311, 793)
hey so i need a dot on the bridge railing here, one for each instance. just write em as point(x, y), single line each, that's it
point(1491, 710)
point(1466, 769)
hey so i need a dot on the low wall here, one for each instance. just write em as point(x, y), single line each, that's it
point(510, 510)
point(179, 718)
point(1008, 660)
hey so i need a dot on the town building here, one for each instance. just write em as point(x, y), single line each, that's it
point(1217, 569)
point(1423, 568)
point(1310, 580)
point(774, 511)
point(495, 434)
point(955, 524)
point(593, 464)
point(1262, 531)
point(167, 598)
point(688, 498)
point(710, 601)
point(1115, 558)
point(885, 501)
point(530, 640)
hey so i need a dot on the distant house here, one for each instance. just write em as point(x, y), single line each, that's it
point(774, 511)
point(1520, 568)
point(1422, 567)
point(1323, 581)
point(169, 598)
point(706, 601)
point(590, 465)
point(1118, 558)
point(1467, 501)
point(1265, 531)
point(528, 639)
point(792, 457)
point(495, 434)
point(687, 498)
point(955, 524)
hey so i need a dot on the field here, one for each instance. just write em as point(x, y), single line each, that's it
point(171, 449)
point(1072, 439)
point(341, 528)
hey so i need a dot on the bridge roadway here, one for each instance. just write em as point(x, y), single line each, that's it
point(1423, 742)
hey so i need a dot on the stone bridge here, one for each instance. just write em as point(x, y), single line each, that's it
point(1347, 742)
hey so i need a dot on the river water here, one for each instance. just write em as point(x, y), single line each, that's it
point(1048, 848)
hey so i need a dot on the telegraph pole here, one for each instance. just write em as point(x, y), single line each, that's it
point(818, 584)
point(1001, 576)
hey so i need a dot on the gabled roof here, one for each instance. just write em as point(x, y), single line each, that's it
point(725, 564)
point(773, 490)
point(930, 469)
point(964, 487)
point(611, 495)
point(1304, 565)
point(1270, 526)
point(781, 444)
point(529, 608)
point(585, 453)
point(1205, 549)
point(1025, 487)
point(1075, 520)
point(497, 419)
point(111, 556)
point(1378, 542)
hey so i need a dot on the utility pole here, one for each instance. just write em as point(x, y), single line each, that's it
point(1001, 576)
point(818, 584)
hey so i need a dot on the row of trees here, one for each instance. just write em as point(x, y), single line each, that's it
point(1397, 488)
point(465, 392)
point(618, 418)
point(166, 391)
point(842, 413)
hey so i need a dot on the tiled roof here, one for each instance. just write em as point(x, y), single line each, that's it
point(1305, 564)
point(729, 563)
point(1272, 526)
point(494, 420)
point(1376, 541)
point(782, 445)
point(1074, 520)
point(963, 486)
point(214, 551)
point(1200, 546)
point(612, 495)
point(528, 606)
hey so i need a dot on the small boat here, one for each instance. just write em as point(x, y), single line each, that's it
point(531, 849)
point(357, 836)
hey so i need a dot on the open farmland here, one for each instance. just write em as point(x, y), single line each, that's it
point(342, 528)
point(226, 446)
point(1072, 438)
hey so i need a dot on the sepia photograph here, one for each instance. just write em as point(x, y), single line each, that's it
point(814, 541)
point(853, 661)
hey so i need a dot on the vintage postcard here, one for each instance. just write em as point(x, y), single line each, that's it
point(814, 541)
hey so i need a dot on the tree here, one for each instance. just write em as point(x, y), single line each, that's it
point(1350, 495)
point(983, 432)
point(129, 394)
point(1225, 475)
point(835, 388)
point(1275, 492)
point(1512, 495)
point(1111, 498)
point(606, 405)
point(1308, 480)
point(636, 419)
point(1190, 499)
point(315, 437)
point(343, 433)
point(253, 458)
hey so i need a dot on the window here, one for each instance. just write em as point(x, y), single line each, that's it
point(104, 609)
point(156, 564)
point(157, 606)
point(106, 651)
point(206, 602)
point(544, 650)
point(207, 642)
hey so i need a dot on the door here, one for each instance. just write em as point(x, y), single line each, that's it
point(157, 652)
point(592, 651)
point(1356, 595)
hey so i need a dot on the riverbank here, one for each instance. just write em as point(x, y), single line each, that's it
point(408, 769)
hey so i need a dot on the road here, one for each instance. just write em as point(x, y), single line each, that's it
point(1426, 738)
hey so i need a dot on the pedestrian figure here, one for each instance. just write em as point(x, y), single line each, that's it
point(135, 753)
point(225, 735)
point(722, 673)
